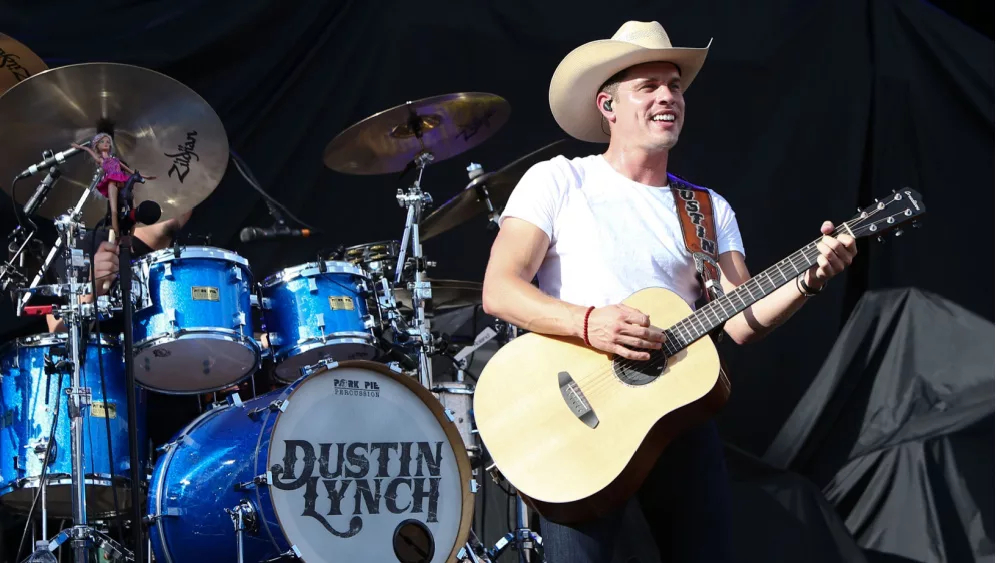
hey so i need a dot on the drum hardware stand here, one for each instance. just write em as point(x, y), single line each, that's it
point(414, 200)
point(244, 519)
point(81, 535)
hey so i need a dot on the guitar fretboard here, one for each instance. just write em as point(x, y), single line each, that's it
point(717, 312)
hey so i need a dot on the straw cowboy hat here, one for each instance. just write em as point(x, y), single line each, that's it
point(581, 73)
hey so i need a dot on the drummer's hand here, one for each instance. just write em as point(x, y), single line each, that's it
point(105, 266)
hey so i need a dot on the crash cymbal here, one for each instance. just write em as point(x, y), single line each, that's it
point(160, 127)
point(445, 294)
point(471, 201)
point(17, 62)
point(444, 126)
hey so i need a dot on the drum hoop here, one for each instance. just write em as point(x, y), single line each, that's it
point(160, 484)
point(188, 252)
point(311, 269)
point(429, 400)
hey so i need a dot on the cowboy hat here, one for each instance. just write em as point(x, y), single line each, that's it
point(581, 73)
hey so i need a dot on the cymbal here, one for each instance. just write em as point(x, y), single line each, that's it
point(160, 128)
point(445, 294)
point(444, 126)
point(17, 62)
point(471, 202)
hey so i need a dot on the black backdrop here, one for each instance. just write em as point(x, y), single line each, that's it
point(804, 111)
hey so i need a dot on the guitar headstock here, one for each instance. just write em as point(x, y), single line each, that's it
point(889, 214)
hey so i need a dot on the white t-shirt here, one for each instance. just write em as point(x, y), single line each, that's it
point(608, 235)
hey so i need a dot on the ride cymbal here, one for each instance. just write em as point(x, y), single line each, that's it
point(17, 62)
point(471, 201)
point(160, 128)
point(443, 126)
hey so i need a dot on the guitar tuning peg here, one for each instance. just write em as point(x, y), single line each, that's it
point(899, 232)
point(917, 224)
point(879, 238)
point(859, 209)
point(893, 191)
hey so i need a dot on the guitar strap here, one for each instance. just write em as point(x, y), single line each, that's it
point(695, 211)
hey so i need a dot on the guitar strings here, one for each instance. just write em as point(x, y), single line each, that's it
point(599, 378)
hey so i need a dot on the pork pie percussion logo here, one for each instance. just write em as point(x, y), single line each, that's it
point(356, 480)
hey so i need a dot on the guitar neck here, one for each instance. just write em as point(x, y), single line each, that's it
point(717, 312)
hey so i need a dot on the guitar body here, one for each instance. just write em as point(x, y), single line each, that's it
point(577, 432)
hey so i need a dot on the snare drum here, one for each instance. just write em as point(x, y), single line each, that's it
point(351, 462)
point(315, 311)
point(192, 324)
point(29, 398)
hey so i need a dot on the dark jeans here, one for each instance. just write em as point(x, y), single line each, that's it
point(686, 502)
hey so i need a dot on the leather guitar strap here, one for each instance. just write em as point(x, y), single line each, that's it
point(694, 209)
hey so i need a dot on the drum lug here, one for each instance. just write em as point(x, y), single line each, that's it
point(292, 553)
point(168, 271)
point(265, 303)
point(369, 322)
point(272, 406)
point(237, 273)
point(172, 318)
point(450, 414)
point(239, 320)
point(257, 481)
point(312, 285)
point(473, 486)
point(324, 364)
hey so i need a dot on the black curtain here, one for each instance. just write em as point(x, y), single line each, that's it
point(898, 429)
point(804, 111)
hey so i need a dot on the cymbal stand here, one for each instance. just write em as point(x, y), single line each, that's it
point(414, 199)
point(81, 536)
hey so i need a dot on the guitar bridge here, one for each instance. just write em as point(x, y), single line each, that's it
point(576, 401)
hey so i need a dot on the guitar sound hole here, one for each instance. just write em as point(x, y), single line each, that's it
point(640, 372)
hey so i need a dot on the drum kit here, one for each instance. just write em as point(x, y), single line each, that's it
point(350, 455)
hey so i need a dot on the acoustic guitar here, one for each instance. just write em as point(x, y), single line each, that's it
point(575, 430)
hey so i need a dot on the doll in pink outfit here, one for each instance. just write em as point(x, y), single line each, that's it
point(115, 176)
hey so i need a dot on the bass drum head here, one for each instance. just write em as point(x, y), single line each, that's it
point(365, 466)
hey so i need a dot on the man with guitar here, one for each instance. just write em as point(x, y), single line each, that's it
point(594, 231)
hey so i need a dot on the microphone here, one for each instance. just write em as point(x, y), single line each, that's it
point(43, 190)
point(256, 233)
point(147, 213)
point(57, 158)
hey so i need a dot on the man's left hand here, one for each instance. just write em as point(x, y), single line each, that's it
point(835, 255)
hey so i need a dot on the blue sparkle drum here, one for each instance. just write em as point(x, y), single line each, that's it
point(317, 311)
point(351, 462)
point(34, 401)
point(192, 325)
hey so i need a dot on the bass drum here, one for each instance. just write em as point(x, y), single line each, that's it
point(350, 462)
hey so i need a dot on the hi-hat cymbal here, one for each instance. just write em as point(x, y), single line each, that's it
point(445, 294)
point(17, 62)
point(160, 127)
point(444, 126)
point(471, 201)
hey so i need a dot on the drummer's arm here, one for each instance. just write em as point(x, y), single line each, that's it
point(105, 268)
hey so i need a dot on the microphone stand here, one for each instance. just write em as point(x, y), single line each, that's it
point(33, 203)
point(125, 279)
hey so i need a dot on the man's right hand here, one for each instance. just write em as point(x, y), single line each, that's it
point(612, 328)
point(105, 266)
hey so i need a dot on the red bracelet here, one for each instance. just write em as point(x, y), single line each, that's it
point(586, 320)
